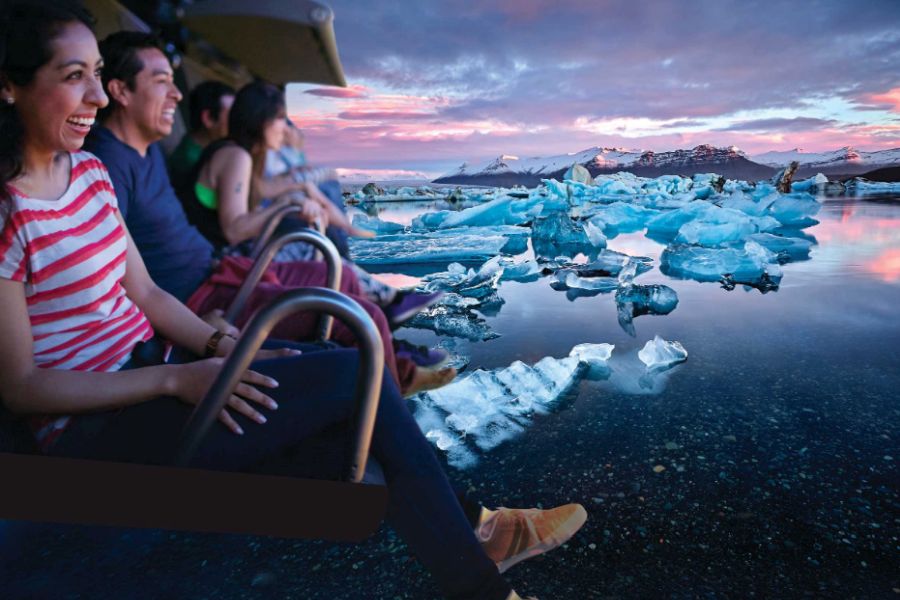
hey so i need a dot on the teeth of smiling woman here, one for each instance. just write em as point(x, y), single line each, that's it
point(81, 121)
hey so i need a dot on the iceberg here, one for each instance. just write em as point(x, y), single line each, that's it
point(465, 244)
point(667, 224)
point(621, 217)
point(377, 225)
point(749, 262)
point(477, 413)
point(610, 263)
point(658, 354)
point(567, 279)
point(502, 211)
point(795, 210)
point(558, 228)
point(811, 185)
point(593, 354)
point(466, 282)
point(861, 186)
point(633, 301)
point(453, 317)
point(786, 248)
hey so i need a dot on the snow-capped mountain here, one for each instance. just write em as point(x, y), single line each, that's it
point(511, 170)
point(844, 161)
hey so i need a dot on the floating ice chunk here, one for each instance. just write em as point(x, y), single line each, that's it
point(862, 186)
point(467, 244)
point(708, 233)
point(811, 185)
point(610, 263)
point(466, 282)
point(749, 204)
point(377, 225)
point(635, 300)
point(595, 234)
point(667, 224)
point(745, 263)
point(658, 354)
point(558, 228)
point(528, 270)
point(621, 217)
point(489, 407)
point(795, 209)
point(579, 174)
point(649, 299)
point(453, 317)
point(593, 354)
point(786, 248)
point(568, 279)
point(502, 211)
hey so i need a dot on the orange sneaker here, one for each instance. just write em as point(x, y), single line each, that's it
point(511, 535)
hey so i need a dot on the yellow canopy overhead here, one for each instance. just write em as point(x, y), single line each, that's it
point(281, 41)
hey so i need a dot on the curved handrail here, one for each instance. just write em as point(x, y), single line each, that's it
point(333, 276)
point(269, 228)
point(368, 379)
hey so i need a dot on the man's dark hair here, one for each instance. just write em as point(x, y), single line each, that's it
point(121, 60)
point(27, 30)
point(207, 96)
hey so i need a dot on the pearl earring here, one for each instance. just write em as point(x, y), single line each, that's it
point(10, 100)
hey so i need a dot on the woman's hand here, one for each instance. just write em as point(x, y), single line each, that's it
point(216, 318)
point(192, 381)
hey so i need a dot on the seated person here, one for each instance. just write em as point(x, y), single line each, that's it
point(143, 100)
point(227, 185)
point(78, 300)
point(209, 104)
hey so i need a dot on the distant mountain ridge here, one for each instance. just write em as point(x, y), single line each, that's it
point(844, 161)
point(731, 162)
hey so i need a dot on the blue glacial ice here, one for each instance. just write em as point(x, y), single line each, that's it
point(377, 225)
point(659, 354)
point(745, 263)
point(633, 301)
point(567, 279)
point(787, 249)
point(478, 412)
point(502, 211)
point(862, 186)
point(620, 217)
point(810, 185)
point(610, 263)
point(795, 210)
point(466, 282)
point(465, 244)
point(453, 317)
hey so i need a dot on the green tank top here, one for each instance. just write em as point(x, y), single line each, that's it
point(206, 196)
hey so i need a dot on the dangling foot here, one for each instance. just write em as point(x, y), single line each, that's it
point(429, 379)
point(511, 535)
point(406, 305)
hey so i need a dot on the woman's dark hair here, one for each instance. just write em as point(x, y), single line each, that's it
point(255, 105)
point(27, 28)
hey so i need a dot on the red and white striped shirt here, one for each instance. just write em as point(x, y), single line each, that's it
point(70, 254)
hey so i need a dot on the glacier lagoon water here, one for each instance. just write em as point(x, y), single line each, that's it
point(763, 466)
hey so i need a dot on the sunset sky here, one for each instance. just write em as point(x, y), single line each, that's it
point(433, 83)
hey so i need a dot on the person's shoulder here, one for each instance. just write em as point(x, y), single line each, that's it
point(109, 149)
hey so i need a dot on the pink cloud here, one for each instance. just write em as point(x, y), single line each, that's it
point(889, 100)
point(366, 115)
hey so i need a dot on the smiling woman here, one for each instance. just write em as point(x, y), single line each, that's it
point(66, 94)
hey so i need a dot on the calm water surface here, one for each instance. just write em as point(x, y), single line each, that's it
point(779, 440)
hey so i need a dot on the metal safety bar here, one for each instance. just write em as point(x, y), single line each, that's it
point(269, 228)
point(333, 276)
point(368, 379)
